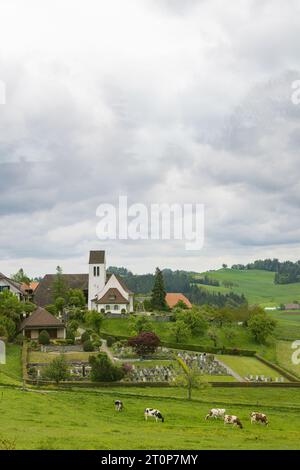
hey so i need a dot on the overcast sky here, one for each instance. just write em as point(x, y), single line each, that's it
point(159, 100)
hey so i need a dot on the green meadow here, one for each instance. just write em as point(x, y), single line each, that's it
point(82, 419)
point(258, 286)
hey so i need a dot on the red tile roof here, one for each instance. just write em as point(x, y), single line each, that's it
point(173, 298)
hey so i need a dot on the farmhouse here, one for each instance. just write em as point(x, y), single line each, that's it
point(104, 292)
point(12, 286)
point(292, 307)
point(172, 299)
point(41, 320)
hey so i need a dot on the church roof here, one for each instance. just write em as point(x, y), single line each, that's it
point(41, 318)
point(97, 257)
point(43, 294)
point(112, 296)
point(121, 281)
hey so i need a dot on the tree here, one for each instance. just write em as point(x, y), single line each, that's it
point(59, 304)
point(94, 319)
point(9, 326)
point(21, 277)
point(181, 305)
point(158, 296)
point(57, 370)
point(103, 370)
point(180, 330)
point(59, 287)
point(139, 324)
point(145, 343)
point(190, 378)
point(222, 316)
point(10, 306)
point(213, 335)
point(76, 298)
point(224, 266)
point(261, 327)
point(229, 334)
point(194, 319)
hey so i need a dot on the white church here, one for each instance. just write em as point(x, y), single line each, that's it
point(104, 292)
point(107, 292)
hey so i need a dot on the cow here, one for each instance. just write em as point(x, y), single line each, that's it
point(234, 420)
point(256, 417)
point(119, 405)
point(152, 413)
point(216, 413)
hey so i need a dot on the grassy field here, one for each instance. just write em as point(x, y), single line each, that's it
point(288, 324)
point(242, 340)
point(258, 286)
point(42, 357)
point(248, 365)
point(11, 372)
point(87, 420)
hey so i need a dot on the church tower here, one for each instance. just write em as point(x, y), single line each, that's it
point(97, 274)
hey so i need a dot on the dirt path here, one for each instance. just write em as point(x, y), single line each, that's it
point(105, 348)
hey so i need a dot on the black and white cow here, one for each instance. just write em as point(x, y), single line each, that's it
point(234, 420)
point(216, 413)
point(152, 413)
point(256, 417)
point(119, 405)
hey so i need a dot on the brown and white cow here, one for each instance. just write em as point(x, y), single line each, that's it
point(216, 413)
point(256, 417)
point(234, 420)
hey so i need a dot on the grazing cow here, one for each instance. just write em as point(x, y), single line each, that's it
point(234, 420)
point(256, 417)
point(119, 405)
point(216, 413)
point(151, 413)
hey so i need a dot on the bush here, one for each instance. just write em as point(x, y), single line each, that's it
point(9, 326)
point(44, 337)
point(33, 345)
point(20, 339)
point(110, 341)
point(88, 346)
point(70, 336)
point(57, 370)
point(3, 332)
point(85, 337)
point(103, 370)
point(97, 343)
point(145, 343)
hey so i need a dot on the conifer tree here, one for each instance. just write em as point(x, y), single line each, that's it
point(158, 296)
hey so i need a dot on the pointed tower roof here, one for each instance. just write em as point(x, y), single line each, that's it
point(97, 257)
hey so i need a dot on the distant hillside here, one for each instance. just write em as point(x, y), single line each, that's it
point(257, 285)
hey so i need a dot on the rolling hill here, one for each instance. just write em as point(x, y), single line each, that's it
point(257, 285)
